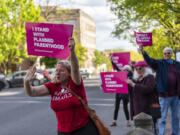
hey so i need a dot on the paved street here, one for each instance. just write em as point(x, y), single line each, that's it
point(23, 115)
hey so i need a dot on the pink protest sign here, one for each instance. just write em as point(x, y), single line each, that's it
point(114, 82)
point(120, 59)
point(144, 39)
point(50, 40)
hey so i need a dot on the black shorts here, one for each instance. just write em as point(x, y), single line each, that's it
point(88, 129)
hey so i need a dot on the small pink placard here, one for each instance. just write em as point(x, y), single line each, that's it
point(120, 59)
point(144, 39)
point(114, 82)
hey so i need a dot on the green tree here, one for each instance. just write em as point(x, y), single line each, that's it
point(98, 60)
point(160, 16)
point(160, 42)
point(81, 52)
point(49, 62)
point(102, 58)
point(13, 15)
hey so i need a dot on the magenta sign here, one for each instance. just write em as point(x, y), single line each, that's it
point(50, 40)
point(120, 59)
point(114, 82)
point(144, 39)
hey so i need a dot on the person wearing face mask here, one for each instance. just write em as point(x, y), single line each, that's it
point(72, 118)
point(168, 86)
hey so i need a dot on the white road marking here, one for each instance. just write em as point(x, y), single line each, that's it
point(8, 93)
point(48, 97)
point(92, 84)
point(27, 97)
point(21, 101)
point(40, 102)
point(28, 100)
point(100, 99)
point(101, 104)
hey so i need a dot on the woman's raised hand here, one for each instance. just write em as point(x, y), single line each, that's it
point(130, 82)
point(141, 48)
point(71, 43)
point(30, 74)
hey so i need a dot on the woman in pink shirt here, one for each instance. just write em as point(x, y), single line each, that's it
point(72, 118)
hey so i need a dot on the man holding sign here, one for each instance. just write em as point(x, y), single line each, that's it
point(168, 86)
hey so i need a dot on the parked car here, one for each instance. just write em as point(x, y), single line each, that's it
point(17, 79)
point(2, 81)
point(84, 74)
point(46, 75)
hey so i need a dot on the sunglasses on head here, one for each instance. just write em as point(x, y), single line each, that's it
point(167, 53)
point(139, 68)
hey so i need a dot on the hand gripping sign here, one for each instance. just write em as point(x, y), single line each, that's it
point(120, 59)
point(114, 82)
point(144, 39)
point(50, 40)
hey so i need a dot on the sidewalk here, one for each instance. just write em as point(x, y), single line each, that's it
point(168, 124)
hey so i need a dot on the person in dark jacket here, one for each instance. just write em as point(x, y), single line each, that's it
point(143, 89)
point(123, 97)
point(168, 86)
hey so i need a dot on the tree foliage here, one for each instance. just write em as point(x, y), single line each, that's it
point(135, 56)
point(13, 15)
point(81, 52)
point(162, 17)
point(49, 62)
point(102, 58)
point(160, 41)
point(99, 58)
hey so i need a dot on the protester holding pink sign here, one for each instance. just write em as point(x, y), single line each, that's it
point(143, 89)
point(168, 87)
point(144, 39)
point(120, 59)
point(72, 118)
point(123, 97)
point(50, 40)
point(115, 82)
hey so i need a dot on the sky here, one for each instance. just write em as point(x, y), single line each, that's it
point(104, 18)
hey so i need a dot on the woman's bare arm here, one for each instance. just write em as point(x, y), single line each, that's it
point(74, 63)
point(34, 91)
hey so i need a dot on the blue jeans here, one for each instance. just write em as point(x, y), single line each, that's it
point(165, 103)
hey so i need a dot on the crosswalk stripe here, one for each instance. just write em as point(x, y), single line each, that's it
point(101, 104)
point(39, 102)
point(100, 99)
point(21, 101)
point(9, 93)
